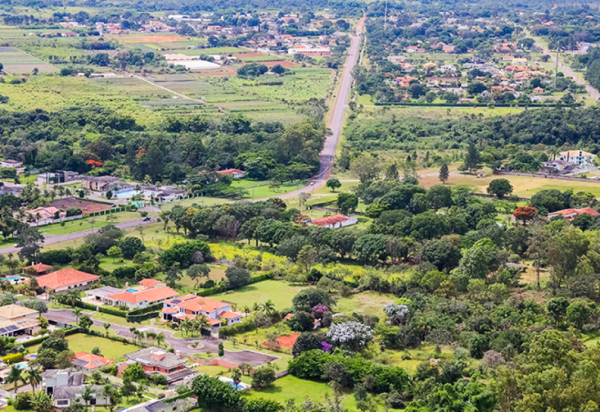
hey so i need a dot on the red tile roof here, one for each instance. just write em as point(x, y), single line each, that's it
point(230, 171)
point(569, 212)
point(329, 220)
point(170, 310)
point(39, 268)
point(64, 278)
point(93, 361)
point(228, 315)
point(150, 295)
point(149, 283)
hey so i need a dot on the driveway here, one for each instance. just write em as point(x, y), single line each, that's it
point(182, 345)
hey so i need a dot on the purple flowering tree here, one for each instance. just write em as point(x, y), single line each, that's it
point(319, 310)
point(326, 347)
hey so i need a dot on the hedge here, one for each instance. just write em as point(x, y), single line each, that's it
point(102, 309)
point(142, 317)
point(150, 308)
point(11, 359)
point(35, 341)
point(236, 328)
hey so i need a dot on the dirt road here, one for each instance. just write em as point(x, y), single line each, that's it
point(594, 93)
point(336, 121)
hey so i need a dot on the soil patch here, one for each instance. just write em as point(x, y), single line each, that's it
point(85, 206)
point(287, 341)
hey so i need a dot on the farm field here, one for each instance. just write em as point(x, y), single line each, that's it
point(16, 61)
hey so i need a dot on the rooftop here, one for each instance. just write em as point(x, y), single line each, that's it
point(39, 268)
point(15, 311)
point(104, 291)
point(90, 361)
point(65, 277)
point(149, 283)
point(154, 356)
point(329, 220)
point(148, 295)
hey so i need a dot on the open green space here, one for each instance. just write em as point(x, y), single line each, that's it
point(279, 292)
point(110, 349)
point(365, 303)
point(84, 224)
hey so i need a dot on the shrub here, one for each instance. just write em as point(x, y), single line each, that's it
point(11, 359)
point(56, 257)
point(22, 401)
point(182, 253)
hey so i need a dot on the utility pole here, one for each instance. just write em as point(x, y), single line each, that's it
point(385, 17)
point(556, 70)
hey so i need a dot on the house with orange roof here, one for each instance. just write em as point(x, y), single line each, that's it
point(151, 283)
point(66, 279)
point(89, 361)
point(40, 269)
point(134, 299)
point(236, 173)
point(448, 49)
point(191, 306)
point(570, 214)
point(334, 221)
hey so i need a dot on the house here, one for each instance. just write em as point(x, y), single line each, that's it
point(100, 295)
point(66, 388)
point(538, 90)
point(190, 306)
point(155, 405)
point(43, 216)
point(134, 299)
point(570, 214)
point(101, 183)
point(448, 49)
point(14, 190)
point(13, 164)
point(315, 51)
point(69, 34)
point(67, 279)
point(334, 221)
point(18, 320)
point(40, 269)
point(578, 157)
point(507, 58)
point(557, 164)
point(89, 361)
point(447, 68)
point(163, 193)
point(519, 61)
point(151, 283)
point(236, 173)
point(411, 49)
point(396, 59)
point(157, 361)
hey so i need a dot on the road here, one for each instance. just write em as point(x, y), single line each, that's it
point(182, 345)
point(594, 93)
point(51, 239)
point(336, 121)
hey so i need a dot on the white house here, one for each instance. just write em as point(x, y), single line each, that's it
point(578, 157)
point(557, 164)
point(236, 173)
point(190, 306)
point(66, 388)
point(134, 299)
point(13, 164)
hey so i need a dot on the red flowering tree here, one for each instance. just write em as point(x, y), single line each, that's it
point(524, 213)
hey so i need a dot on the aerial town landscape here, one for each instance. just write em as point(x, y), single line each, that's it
point(321, 206)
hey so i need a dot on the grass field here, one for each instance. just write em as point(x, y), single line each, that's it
point(16, 61)
point(110, 349)
point(83, 224)
point(279, 292)
point(365, 303)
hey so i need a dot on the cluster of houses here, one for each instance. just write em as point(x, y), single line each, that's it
point(569, 160)
point(119, 188)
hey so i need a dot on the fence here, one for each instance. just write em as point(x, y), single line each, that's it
point(546, 176)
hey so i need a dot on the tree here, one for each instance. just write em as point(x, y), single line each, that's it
point(578, 314)
point(34, 377)
point(439, 196)
point(524, 213)
point(365, 167)
point(396, 313)
point(221, 350)
point(130, 246)
point(197, 272)
point(261, 405)
point(538, 248)
point(391, 173)
point(308, 298)
point(263, 377)
point(85, 323)
point(307, 341)
point(557, 309)
point(500, 188)
point(174, 273)
point(87, 395)
point(347, 203)
point(444, 173)
point(214, 394)
point(349, 335)
point(29, 241)
point(307, 256)
point(114, 253)
point(333, 184)
point(15, 376)
point(472, 158)
point(41, 402)
point(134, 373)
point(564, 252)
point(443, 255)
point(237, 277)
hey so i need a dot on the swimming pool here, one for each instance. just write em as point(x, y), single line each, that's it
point(131, 290)
point(21, 366)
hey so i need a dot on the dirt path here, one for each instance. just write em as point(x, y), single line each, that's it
point(336, 121)
point(168, 90)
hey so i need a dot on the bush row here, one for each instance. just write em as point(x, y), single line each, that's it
point(150, 308)
point(36, 341)
point(219, 289)
point(142, 317)
point(11, 359)
point(103, 309)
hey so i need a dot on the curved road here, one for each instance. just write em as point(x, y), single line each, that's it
point(336, 121)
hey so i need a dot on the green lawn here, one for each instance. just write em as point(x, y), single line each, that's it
point(110, 349)
point(279, 292)
point(365, 303)
point(105, 317)
point(83, 224)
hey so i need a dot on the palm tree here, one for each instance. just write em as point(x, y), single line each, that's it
point(15, 375)
point(34, 377)
point(77, 312)
point(73, 297)
point(133, 330)
point(160, 338)
point(269, 307)
point(256, 307)
point(41, 402)
point(115, 397)
point(246, 310)
point(203, 323)
point(186, 325)
point(554, 151)
point(86, 396)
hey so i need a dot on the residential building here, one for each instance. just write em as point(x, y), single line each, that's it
point(156, 361)
point(101, 183)
point(66, 388)
point(14, 190)
point(40, 269)
point(13, 164)
point(67, 279)
point(163, 193)
point(100, 295)
point(538, 90)
point(570, 214)
point(43, 216)
point(315, 51)
point(236, 173)
point(155, 405)
point(557, 164)
point(396, 59)
point(190, 306)
point(335, 221)
point(151, 283)
point(18, 320)
point(134, 299)
point(89, 361)
point(578, 157)
point(448, 49)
